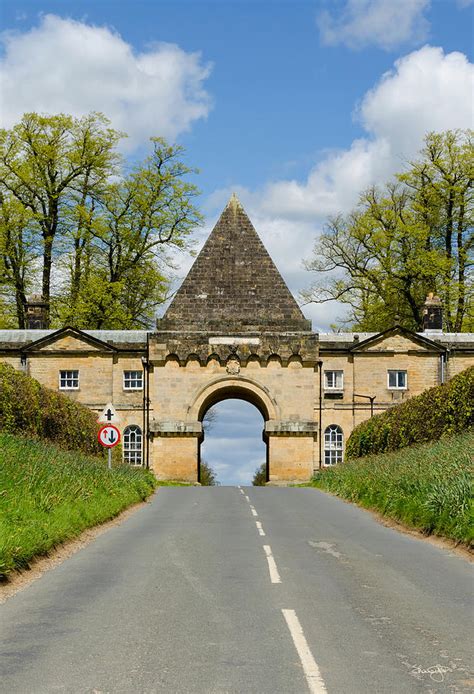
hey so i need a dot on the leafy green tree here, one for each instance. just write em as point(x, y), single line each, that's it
point(260, 476)
point(208, 477)
point(43, 160)
point(17, 261)
point(99, 236)
point(383, 258)
point(441, 185)
point(127, 232)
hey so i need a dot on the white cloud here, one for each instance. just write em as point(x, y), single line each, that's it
point(68, 66)
point(383, 23)
point(426, 90)
point(416, 97)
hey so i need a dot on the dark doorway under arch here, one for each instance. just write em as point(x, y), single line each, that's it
point(233, 443)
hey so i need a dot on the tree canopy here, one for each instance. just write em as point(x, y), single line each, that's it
point(405, 239)
point(77, 227)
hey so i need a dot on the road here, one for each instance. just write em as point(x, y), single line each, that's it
point(244, 590)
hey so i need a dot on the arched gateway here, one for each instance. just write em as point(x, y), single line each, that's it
point(233, 330)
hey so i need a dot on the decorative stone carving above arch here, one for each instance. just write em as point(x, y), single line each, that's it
point(228, 387)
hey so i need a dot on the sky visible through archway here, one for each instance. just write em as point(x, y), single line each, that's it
point(233, 444)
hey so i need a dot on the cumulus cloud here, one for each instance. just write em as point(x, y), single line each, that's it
point(68, 66)
point(426, 90)
point(383, 23)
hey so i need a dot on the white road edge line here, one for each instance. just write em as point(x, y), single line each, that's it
point(259, 528)
point(272, 567)
point(311, 670)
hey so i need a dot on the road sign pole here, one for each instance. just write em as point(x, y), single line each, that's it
point(109, 465)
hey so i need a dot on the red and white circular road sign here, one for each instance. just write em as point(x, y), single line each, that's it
point(109, 436)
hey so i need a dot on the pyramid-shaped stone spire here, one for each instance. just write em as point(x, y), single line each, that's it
point(234, 285)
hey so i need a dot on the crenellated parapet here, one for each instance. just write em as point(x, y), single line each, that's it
point(234, 351)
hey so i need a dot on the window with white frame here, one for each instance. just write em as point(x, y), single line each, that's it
point(133, 380)
point(334, 380)
point(396, 380)
point(69, 380)
point(333, 445)
point(132, 445)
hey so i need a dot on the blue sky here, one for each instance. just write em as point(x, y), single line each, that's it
point(296, 105)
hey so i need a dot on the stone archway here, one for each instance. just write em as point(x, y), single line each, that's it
point(182, 389)
point(242, 388)
point(225, 389)
point(233, 329)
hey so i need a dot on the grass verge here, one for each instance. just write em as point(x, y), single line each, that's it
point(428, 487)
point(48, 496)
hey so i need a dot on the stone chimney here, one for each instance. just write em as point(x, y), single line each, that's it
point(36, 311)
point(432, 314)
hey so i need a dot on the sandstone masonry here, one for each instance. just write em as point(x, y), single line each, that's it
point(234, 330)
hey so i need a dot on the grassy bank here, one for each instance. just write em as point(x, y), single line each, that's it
point(48, 495)
point(428, 487)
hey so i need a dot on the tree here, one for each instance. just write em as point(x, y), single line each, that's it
point(441, 184)
point(208, 476)
point(17, 260)
point(260, 476)
point(108, 231)
point(383, 258)
point(209, 420)
point(43, 160)
point(126, 232)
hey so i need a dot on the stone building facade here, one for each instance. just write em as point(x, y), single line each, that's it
point(233, 330)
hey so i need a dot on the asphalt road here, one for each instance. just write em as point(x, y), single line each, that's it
point(189, 595)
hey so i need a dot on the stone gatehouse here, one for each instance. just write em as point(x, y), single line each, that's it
point(233, 330)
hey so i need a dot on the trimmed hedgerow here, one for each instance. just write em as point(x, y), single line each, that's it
point(30, 409)
point(440, 411)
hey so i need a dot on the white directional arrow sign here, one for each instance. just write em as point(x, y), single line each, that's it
point(109, 436)
point(109, 415)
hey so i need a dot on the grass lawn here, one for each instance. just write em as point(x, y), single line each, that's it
point(428, 487)
point(48, 495)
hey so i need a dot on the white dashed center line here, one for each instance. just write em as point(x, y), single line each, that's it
point(246, 498)
point(259, 528)
point(311, 670)
point(272, 567)
point(254, 513)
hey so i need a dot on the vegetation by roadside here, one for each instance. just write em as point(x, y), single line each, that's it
point(428, 487)
point(440, 411)
point(29, 409)
point(208, 477)
point(48, 496)
point(260, 476)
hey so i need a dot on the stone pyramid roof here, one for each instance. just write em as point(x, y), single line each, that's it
point(234, 285)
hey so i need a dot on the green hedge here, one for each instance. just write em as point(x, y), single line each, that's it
point(438, 412)
point(30, 409)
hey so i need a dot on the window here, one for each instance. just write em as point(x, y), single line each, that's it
point(397, 380)
point(68, 380)
point(133, 380)
point(333, 445)
point(334, 380)
point(132, 445)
